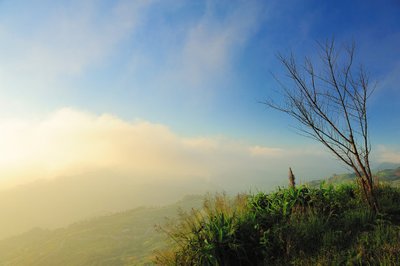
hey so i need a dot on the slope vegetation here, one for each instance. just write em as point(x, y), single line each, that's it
point(126, 238)
point(328, 225)
point(267, 228)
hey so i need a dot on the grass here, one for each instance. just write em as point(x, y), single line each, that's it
point(328, 225)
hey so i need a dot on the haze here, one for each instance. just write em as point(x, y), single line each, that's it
point(110, 105)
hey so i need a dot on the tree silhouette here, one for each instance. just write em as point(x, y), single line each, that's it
point(330, 103)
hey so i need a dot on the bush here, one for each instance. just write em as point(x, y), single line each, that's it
point(300, 225)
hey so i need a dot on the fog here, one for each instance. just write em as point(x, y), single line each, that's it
point(72, 165)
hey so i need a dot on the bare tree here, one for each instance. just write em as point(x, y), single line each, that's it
point(331, 106)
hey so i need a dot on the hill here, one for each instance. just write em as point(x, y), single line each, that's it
point(61, 201)
point(122, 238)
point(125, 238)
point(390, 176)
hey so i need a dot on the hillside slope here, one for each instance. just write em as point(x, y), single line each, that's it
point(391, 176)
point(61, 201)
point(125, 238)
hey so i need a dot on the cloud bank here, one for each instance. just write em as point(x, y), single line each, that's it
point(388, 155)
point(70, 142)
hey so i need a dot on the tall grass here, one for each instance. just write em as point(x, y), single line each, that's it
point(328, 225)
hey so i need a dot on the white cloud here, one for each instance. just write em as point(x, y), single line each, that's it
point(70, 142)
point(387, 155)
point(265, 151)
point(210, 44)
point(70, 39)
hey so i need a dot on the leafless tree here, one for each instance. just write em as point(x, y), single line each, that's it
point(330, 103)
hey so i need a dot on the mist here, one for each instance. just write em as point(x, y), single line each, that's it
point(72, 165)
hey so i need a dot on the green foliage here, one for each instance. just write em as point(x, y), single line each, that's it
point(210, 232)
point(323, 225)
point(302, 226)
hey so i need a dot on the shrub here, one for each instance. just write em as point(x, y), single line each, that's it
point(297, 225)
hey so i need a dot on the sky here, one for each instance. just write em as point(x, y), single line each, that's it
point(171, 90)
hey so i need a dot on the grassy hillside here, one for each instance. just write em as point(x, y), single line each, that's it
point(329, 225)
point(129, 238)
point(126, 238)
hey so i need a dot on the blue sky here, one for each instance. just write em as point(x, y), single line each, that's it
point(196, 68)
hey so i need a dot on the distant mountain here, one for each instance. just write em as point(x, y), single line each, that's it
point(126, 238)
point(123, 238)
point(61, 201)
point(386, 165)
point(391, 176)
